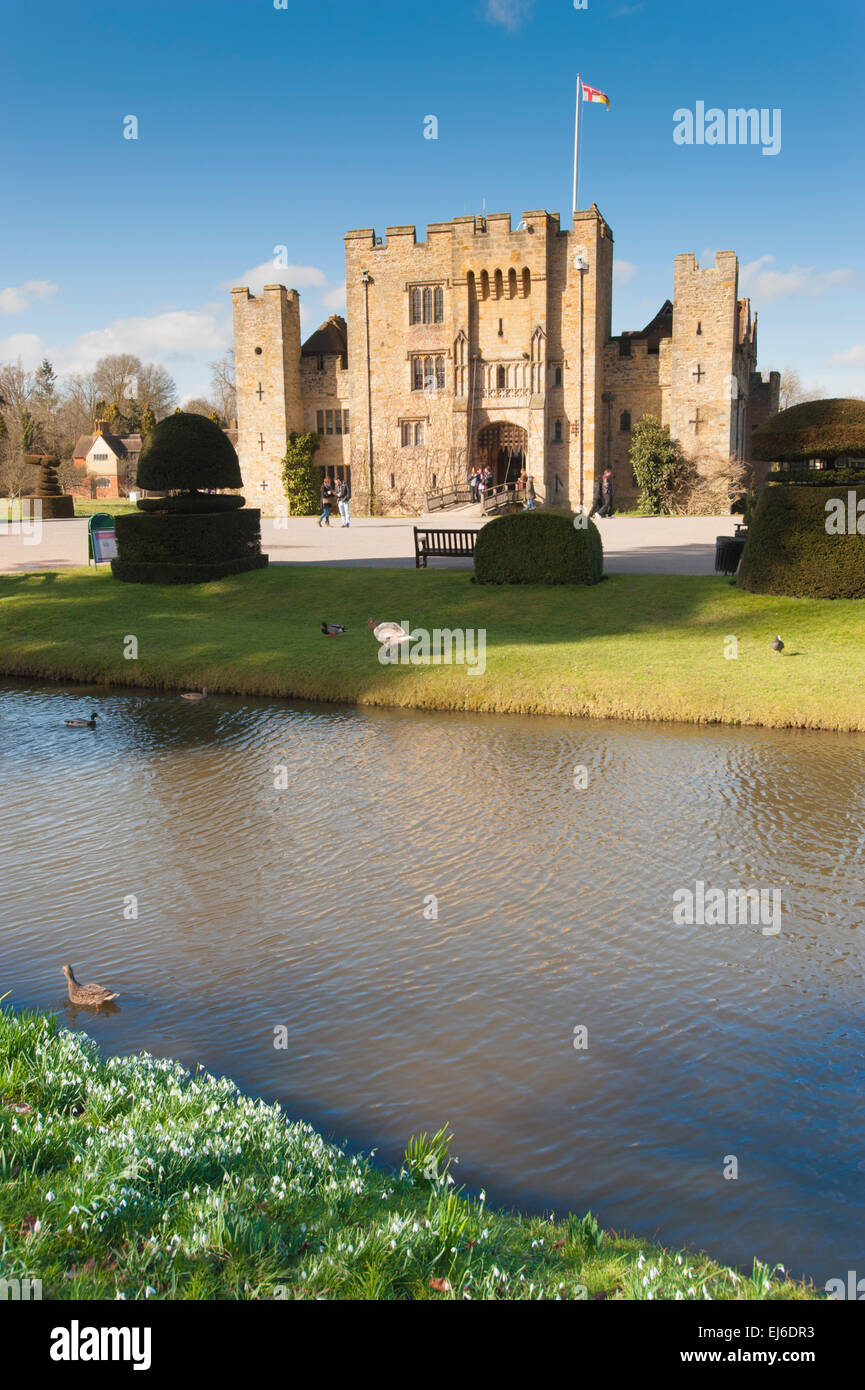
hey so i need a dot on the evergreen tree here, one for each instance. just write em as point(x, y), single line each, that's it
point(148, 419)
point(301, 478)
point(658, 463)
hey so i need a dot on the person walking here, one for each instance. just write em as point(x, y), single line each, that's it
point(327, 496)
point(602, 502)
point(343, 497)
point(529, 505)
point(473, 484)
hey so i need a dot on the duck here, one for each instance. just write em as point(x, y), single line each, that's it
point(777, 646)
point(87, 996)
point(195, 695)
point(82, 723)
point(332, 629)
point(388, 632)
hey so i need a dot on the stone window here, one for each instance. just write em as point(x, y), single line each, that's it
point(412, 433)
point(428, 373)
point(320, 364)
point(329, 419)
point(393, 482)
point(527, 282)
point(500, 286)
point(512, 283)
point(319, 421)
point(501, 378)
point(337, 421)
point(624, 347)
point(625, 422)
point(427, 304)
point(558, 376)
point(345, 428)
point(485, 284)
point(557, 432)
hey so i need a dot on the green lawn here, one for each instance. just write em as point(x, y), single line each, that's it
point(130, 1178)
point(636, 646)
point(11, 508)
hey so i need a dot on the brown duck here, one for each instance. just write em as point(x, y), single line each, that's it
point(86, 996)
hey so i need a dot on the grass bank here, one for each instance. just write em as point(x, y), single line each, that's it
point(633, 647)
point(129, 1177)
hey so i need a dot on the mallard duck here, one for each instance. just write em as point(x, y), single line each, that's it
point(332, 629)
point(82, 723)
point(777, 646)
point(195, 694)
point(87, 996)
point(388, 632)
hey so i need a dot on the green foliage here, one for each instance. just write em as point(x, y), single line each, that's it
point(658, 463)
point(824, 429)
point(148, 420)
point(428, 1159)
point(167, 548)
point(538, 547)
point(301, 478)
point(187, 452)
point(789, 550)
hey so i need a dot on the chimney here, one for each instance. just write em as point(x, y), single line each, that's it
point(100, 426)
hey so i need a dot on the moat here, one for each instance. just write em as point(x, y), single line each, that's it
point(435, 912)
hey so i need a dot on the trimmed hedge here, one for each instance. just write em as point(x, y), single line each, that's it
point(133, 572)
point(819, 477)
point(790, 552)
point(823, 429)
point(538, 548)
point(165, 548)
point(193, 503)
point(185, 452)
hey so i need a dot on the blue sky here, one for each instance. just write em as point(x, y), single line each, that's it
point(261, 127)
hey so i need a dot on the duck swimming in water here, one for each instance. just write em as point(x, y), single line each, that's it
point(86, 996)
point(82, 723)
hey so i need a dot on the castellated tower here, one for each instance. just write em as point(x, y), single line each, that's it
point(708, 381)
point(269, 401)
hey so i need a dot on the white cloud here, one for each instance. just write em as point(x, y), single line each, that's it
point(623, 272)
point(334, 299)
point(29, 347)
point(851, 357)
point(764, 283)
point(177, 333)
point(294, 277)
point(16, 298)
point(509, 13)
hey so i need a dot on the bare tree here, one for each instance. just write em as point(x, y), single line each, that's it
point(222, 386)
point(793, 392)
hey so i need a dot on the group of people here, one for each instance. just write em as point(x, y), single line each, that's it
point(480, 481)
point(339, 492)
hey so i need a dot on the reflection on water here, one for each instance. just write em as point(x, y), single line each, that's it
point(305, 907)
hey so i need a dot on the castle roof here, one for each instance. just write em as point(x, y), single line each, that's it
point(661, 326)
point(330, 340)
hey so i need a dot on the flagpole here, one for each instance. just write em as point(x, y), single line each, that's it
point(577, 141)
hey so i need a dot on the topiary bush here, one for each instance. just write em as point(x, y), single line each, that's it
point(184, 453)
point(193, 535)
point(538, 548)
point(789, 550)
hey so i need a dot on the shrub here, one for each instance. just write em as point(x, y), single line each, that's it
point(538, 548)
point(824, 429)
point(789, 550)
point(301, 478)
point(186, 452)
point(659, 465)
point(163, 548)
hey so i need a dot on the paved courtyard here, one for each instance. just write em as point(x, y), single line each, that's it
point(632, 545)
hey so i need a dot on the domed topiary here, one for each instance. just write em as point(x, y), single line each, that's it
point(187, 453)
point(195, 535)
point(539, 548)
point(826, 429)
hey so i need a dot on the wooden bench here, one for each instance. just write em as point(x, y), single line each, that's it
point(440, 542)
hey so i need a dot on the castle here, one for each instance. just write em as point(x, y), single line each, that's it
point(491, 344)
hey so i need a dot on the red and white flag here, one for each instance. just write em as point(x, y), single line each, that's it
point(592, 94)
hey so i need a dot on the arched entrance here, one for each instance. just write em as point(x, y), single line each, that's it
point(502, 447)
